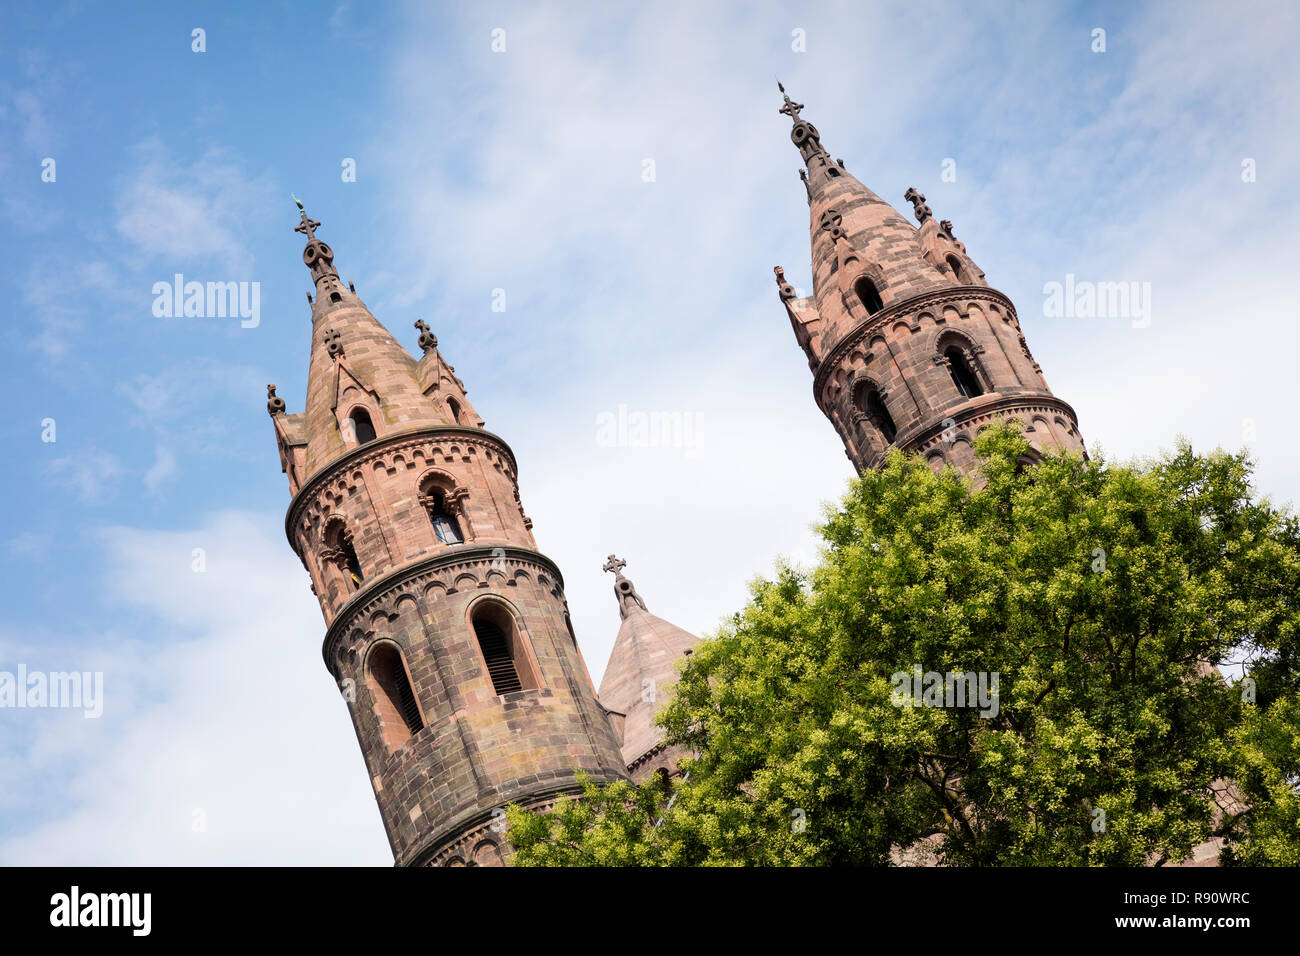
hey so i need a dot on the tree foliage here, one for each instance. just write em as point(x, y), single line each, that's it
point(1100, 595)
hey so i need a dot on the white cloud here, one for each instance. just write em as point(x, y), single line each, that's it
point(162, 470)
point(228, 711)
point(183, 215)
point(91, 473)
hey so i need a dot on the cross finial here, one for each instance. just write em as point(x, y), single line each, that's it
point(614, 564)
point(791, 108)
point(333, 342)
point(308, 226)
point(919, 208)
point(427, 339)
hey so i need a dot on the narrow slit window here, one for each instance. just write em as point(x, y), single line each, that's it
point(956, 268)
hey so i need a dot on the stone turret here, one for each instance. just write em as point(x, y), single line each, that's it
point(908, 344)
point(448, 632)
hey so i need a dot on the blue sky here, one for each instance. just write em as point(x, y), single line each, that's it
point(522, 170)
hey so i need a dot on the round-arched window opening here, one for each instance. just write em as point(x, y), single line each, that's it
point(504, 647)
point(395, 701)
point(868, 295)
point(363, 429)
point(962, 374)
point(445, 525)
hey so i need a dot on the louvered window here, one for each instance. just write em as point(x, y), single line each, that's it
point(496, 653)
point(406, 702)
point(395, 702)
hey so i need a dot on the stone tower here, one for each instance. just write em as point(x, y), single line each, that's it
point(446, 629)
point(908, 344)
point(642, 667)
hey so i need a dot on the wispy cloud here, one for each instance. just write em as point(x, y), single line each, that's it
point(189, 762)
point(179, 214)
point(92, 474)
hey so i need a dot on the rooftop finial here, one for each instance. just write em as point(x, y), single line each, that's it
point(307, 226)
point(623, 588)
point(790, 108)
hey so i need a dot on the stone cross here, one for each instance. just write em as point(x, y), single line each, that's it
point(307, 226)
point(917, 200)
point(428, 340)
point(333, 342)
point(615, 564)
point(791, 108)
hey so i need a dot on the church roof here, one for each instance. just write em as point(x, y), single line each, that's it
point(641, 668)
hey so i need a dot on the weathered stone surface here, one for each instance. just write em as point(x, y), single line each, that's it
point(445, 759)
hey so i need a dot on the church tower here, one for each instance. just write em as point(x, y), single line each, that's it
point(909, 346)
point(447, 631)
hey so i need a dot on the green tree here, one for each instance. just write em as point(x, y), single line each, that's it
point(1100, 595)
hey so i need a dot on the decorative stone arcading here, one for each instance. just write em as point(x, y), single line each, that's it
point(446, 443)
point(965, 424)
point(459, 568)
point(959, 297)
point(482, 841)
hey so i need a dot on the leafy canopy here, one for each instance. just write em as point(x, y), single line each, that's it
point(1100, 595)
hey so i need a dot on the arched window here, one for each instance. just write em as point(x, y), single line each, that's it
point(395, 701)
point(880, 415)
point(504, 649)
point(956, 268)
point(868, 295)
point(962, 376)
point(352, 564)
point(339, 540)
point(363, 429)
point(455, 410)
point(873, 406)
point(445, 525)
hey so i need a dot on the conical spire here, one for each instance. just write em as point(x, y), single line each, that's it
point(362, 384)
point(642, 666)
point(865, 255)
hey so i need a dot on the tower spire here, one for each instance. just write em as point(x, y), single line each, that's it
point(804, 135)
point(908, 345)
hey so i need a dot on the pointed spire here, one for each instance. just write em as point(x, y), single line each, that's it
point(820, 166)
point(641, 670)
